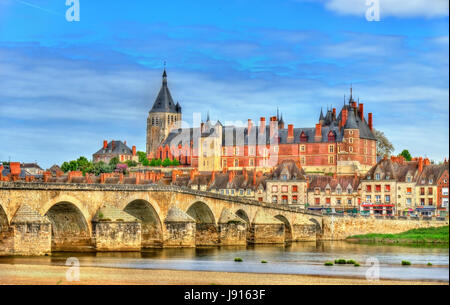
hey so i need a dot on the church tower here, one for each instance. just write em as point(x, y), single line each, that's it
point(164, 116)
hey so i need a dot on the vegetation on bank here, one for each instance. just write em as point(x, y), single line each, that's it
point(84, 165)
point(424, 235)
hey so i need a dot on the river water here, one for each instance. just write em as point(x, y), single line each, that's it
point(306, 258)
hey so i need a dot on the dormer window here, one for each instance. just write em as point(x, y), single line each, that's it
point(284, 177)
point(331, 137)
point(408, 179)
point(430, 181)
point(387, 177)
point(377, 176)
point(369, 177)
point(303, 137)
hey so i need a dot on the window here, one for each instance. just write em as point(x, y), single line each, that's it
point(387, 188)
point(349, 201)
point(252, 151)
point(249, 192)
point(350, 140)
point(302, 148)
point(430, 181)
point(317, 191)
point(408, 190)
point(251, 162)
point(430, 201)
point(236, 151)
point(317, 201)
point(241, 192)
point(284, 177)
point(236, 162)
point(378, 198)
point(444, 202)
point(338, 201)
point(294, 199)
point(408, 201)
point(284, 199)
point(303, 160)
point(368, 188)
point(350, 149)
point(295, 188)
point(422, 191)
point(274, 199)
point(274, 188)
point(369, 198)
point(377, 176)
point(377, 188)
point(387, 198)
point(408, 179)
point(339, 190)
point(422, 201)
point(330, 159)
point(430, 191)
point(232, 192)
point(331, 148)
point(328, 200)
point(445, 191)
point(284, 189)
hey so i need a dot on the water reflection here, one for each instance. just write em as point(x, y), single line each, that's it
point(295, 258)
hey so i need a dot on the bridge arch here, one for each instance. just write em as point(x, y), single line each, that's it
point(152, 231)
point(316, 222)
point(4, 223)
point(287, 227)
point(70, 228)
point(206, 230)
point(243, 214)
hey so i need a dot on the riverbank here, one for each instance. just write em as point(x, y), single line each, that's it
point(56, 275)
point(436, 235)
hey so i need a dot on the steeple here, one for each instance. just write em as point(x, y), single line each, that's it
point(321, 117)
point(164, 101)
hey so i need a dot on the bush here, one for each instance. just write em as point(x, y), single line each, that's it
point(328, 264)
point(166, 162)
point(238, 259)
point(340, 261)
point(429, 264)
point(357, 265)
point(264, 262)
point(350, 261)
point(406, 263)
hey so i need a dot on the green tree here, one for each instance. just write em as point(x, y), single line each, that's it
point(405, 153)
point(83, 164)
point(113, 162)
point(175, 162)
point(384, 146)
point(131, 163)
point(166, 162)
point(73, 165)
point(65, 167)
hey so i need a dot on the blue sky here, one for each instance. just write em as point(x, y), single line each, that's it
point(66, 86)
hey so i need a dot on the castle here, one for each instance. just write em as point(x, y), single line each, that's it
point(342, 143)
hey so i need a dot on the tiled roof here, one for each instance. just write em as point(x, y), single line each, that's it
point(115, 147)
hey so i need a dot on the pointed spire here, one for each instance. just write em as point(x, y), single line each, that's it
point(278, 116)
point(351, 92)
point(321, 117)
point(207, 117)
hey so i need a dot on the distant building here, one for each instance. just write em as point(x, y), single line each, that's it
point(32, 169)
point(113, 149)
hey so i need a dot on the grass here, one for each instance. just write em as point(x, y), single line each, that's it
point(423, 235)
point(328, 264)
point(406, 263)
point(238, 259)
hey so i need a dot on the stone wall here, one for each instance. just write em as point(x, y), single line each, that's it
point(304, 232)
point(340, 227)
point(267, 233)
point(179, 234)
point(117, 236)
point(233, 234)
point(32, 238)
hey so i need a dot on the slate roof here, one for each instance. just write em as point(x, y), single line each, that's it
point(118, 148)
point(432, 171)
point(322, 182)
point(289, 168)
point(164, 101)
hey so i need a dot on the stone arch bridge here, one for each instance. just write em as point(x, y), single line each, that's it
point(36, 218)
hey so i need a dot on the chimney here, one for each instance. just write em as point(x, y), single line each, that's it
point(202, 127)
point(290, 131)
point(254, 178)
point(105, 144)
point(370, 121)
point(249, 126)
point(112, 145)
point(420, 165)
point(426, 161)
point(262, 125)
point(230, 176)
point(244, 172)
point(134, 150)
point(361, 111)
point(344, 117)
point(334, 113)
point(318, 134)
point(273, 125)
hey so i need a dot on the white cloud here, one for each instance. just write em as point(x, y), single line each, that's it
point(392, 8)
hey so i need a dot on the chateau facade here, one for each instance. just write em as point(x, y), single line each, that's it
point(342, 143)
